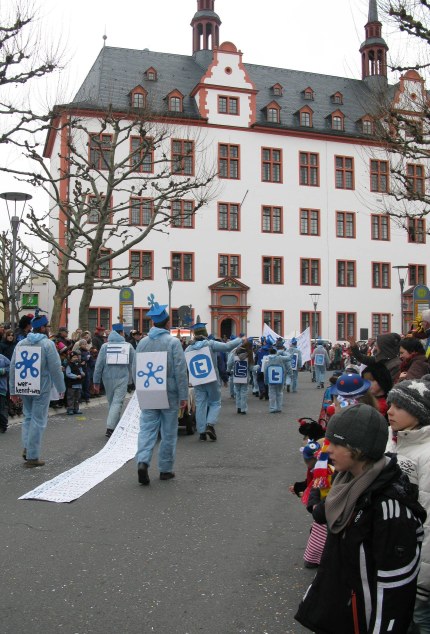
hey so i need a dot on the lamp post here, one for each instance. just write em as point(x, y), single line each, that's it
point(402, 280)
point(17, 198)
point(169, 278)
point(315, 299)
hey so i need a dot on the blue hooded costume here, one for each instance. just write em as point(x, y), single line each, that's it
point(36, 407)
point(115, 378)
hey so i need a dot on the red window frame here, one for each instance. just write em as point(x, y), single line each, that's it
point(342, 335)
point(98, 275)
point(306, 217)
point(142, 203)
point(417, 230)
point(229, 265)
point(272, 318)
point(349, 267)
point(345, 219)
point(307, 320)
point(379, 318)
point(99, 150)
point(309, 169)
point(380, 272)
point(271, 165)
point(182, 255)
point(229, 216)
point(344, 172)
point(308, 266)
point(96, 222)
point(228, 105)
point(229, 161)
point(98, 319)
point(272, 261)
point(182, 157)
point(142, 153)
point(182, 219)
point(415, 178)
point(379, 176)
point(141, 254)
point(377, 229)
point(417, 274)
point(269, 219)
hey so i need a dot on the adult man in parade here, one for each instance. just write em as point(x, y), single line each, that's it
point(114, 367)
point(162, 419)
point(296, 363)
point(36, 357)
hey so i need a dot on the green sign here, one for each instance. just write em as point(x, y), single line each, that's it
point(30, 300)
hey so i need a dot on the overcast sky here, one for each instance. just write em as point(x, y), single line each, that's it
point(321, 36)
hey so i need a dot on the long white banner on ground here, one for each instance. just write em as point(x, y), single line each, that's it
point(121, 448)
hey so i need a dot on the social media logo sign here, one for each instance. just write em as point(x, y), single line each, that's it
point(294, 360)
point(151, 380)
point(27, 370)
point(200, 367)
point(275, 375)
point(240, 371)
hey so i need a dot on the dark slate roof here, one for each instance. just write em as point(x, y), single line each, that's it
point(117, 71)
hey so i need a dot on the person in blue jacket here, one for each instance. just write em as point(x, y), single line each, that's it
point(115, 370)
point(164, 421)
point(296, 364)
point(208, 395)
point(36, 406)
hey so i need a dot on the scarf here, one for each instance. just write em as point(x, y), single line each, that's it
point(344, 493)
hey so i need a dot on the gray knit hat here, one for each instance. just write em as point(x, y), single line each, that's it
point(361, 427)
point(414, 397)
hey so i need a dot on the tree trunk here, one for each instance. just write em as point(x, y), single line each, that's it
point(87, 296)
point(61, 292)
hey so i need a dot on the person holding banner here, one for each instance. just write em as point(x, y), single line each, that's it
point(114, 367)
point(35, 367)
point(296, 364)
point(161, 382)
point(202, 367)
point(240, 363)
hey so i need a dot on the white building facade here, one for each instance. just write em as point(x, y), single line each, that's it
point(300, 200)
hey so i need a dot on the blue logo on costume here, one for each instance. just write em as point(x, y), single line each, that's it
point(27, 365)
point(151, 374)
point(200, 366)
point(275, 375)
point(241, 369)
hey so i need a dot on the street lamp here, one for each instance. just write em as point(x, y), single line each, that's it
point(18, 199)
point(315, 299)
point(169, 278)
point(402, 280)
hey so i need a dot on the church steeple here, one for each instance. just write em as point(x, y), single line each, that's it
point(205, 25)
point(374, 49)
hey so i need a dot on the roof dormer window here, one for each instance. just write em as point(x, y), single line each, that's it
point(151, 74)
point(175, 101)
point(277, 90)
point(273, 112)
point(138, 98)
point(337, 120)
point(308, 94)
point(337, 97)
point(305, 117)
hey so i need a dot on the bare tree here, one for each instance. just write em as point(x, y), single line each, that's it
point(112, 188)
point(22, 274)
point(24, 57)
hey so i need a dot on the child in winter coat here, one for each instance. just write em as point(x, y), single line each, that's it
point(409, 438)
point(73, 378)
point(367, 578)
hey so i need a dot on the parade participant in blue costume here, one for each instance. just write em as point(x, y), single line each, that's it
point(36, 406)
point(296, 364)
point(277, 368)
point(165, 421)
point(208, 395)
point(114, 367)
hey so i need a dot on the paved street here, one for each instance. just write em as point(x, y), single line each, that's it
point(217, 550)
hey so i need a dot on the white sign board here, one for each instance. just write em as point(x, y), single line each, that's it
point(117, 353)
point(200, 366)
point(27, 370)
point(151, 380)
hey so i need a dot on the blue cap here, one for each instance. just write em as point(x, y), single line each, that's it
point(198, 325)
point(118, 327)
point(293, 341)
point(157, 312)
point(39, 320)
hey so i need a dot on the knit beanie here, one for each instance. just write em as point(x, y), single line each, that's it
point(381, 374)
point(414, 397)
point(360, 427)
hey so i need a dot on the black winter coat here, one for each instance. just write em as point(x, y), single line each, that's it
point(366, 582)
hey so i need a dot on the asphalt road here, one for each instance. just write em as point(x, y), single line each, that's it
point(216, 550)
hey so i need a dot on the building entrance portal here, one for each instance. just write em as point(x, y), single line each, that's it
point(229, 307)
point(228, 328)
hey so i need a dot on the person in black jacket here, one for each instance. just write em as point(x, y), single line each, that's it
point(366, 582)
